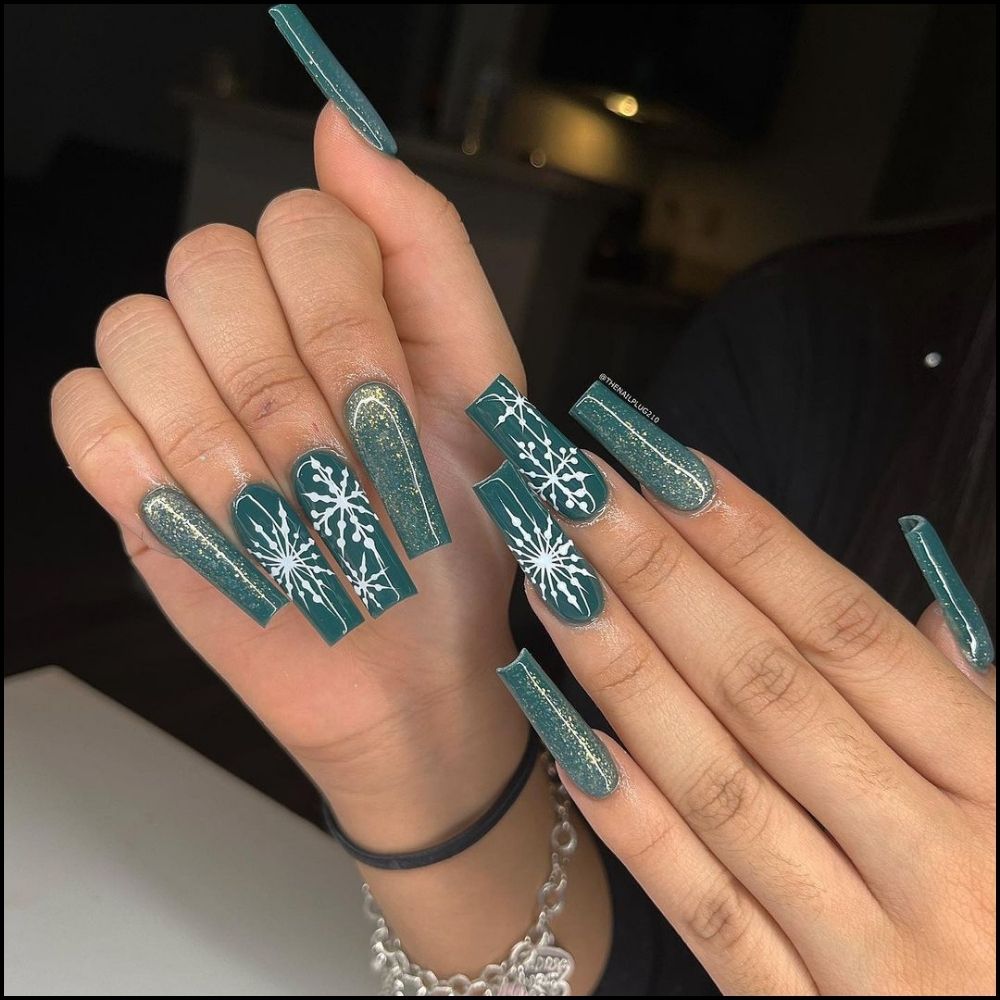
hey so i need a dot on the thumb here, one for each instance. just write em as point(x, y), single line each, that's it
point(935, 627)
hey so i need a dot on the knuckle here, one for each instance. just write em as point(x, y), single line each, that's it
point(858, 757)
point(218, 246)
point(766, 681)
point(848, 622)
point(128, 318)
point(648, 561)
point(755, 542)
point(719, 915)
point(195, 437)
point(261, 390)
point(646, 844)
point(627, 673)
point(724, 793)
point(328, 338)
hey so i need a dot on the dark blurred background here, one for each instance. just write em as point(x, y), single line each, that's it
point(615, 164)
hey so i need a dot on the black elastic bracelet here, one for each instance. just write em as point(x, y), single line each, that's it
point(453, 845)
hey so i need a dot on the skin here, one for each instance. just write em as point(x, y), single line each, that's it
point(755, 682)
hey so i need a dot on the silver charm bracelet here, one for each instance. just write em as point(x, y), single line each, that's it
point(536, 966)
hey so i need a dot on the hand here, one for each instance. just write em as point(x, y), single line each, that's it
point(808, 790)
point(243, 367)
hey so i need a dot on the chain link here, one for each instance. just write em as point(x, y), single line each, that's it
point(535, 965)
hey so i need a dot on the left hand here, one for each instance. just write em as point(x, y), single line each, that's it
point(809, 790)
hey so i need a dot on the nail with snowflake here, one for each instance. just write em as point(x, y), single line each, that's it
point(340, 511)
point(565, 580)
point(278, 539)
point(555, 470)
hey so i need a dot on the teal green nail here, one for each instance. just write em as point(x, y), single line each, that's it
point(960, 611)
point(584, 758)
point(331, 78)
point(386, 442)
point(564, 579)
point(340, 511)
point(278, 539)
point(552, 466)
point(664, 466)
point(188, 533)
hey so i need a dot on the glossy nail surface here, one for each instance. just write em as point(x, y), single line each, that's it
point(386, 441)
point(338, 508)
point(331, 78)
point(550, 560)
point(276, 537)
point(552, 466)
point(188, 533)
point(960, 611)
point(664, 466)
point(584, 758)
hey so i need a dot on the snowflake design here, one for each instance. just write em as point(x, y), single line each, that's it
point(552, 471)
point(343, 515)
point(548, 556)
point(286, 551)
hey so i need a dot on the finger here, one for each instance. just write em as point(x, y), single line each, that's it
point(326, 270)
point(218, 284)
point(115, 461)
point(446, 316)
point(879, 662)
point(156, 372)
point(741, 815)
point(741, 947)
point(933, 624)
point(790, 719)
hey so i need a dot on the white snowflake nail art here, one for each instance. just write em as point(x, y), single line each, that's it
point(279, 541)
point(552, 466)
point(340, 511)
point(550, 560)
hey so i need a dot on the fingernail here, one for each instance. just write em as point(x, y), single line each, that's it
point(960, 611)
point(664, 466)
point(331, 78)
point(278, 539)
point(555, 470)
point(188, 533)
point(386, 441)
point(564, 579)
point(584, 758)
point(338, 508)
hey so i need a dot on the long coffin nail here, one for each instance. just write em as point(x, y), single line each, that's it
point(552, 466)
point(331, 78)
point(671, 471)
point(960, 611)
point(189, 534)
point(339, 510)
point(281, 543)
point(568, 738)
point(550, 560)
point(386, 441)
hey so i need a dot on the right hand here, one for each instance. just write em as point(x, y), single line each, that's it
point(244, 366)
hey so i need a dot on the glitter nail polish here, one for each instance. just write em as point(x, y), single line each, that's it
point(584, 758)
point(188, 533)
point(386, 441)
point(664, 466)
point(960, 611)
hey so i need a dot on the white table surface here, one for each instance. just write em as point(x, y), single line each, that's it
point(134, 866)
